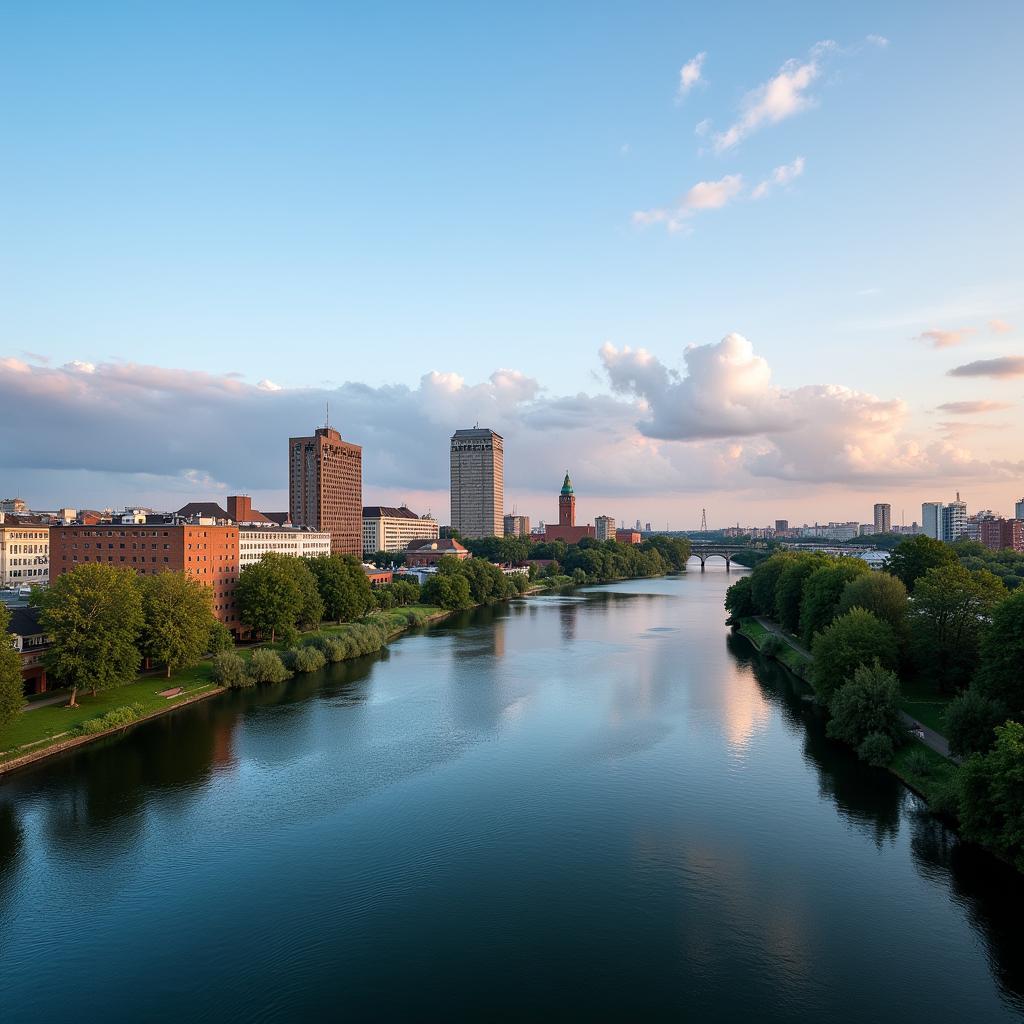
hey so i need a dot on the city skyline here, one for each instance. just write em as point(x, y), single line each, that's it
point(725, 271)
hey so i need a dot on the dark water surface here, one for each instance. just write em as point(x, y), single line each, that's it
point(592, 806)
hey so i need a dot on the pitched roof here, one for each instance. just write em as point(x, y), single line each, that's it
point(208, 509)
point(25, 621)
point(388, 512)
point(278, 517)
point(443, 544)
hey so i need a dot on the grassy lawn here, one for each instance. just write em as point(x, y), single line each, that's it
point(754, 631)
point(44, 723)
point(922, 702)
point(936, 778)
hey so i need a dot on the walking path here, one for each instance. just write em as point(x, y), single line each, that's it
point(44, 702)
point(929, 737)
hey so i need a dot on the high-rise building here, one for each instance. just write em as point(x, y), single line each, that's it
point(647, 528)
point(883, 517)
point(605, 527)
point(478, 482)
point(954, 520)
point(325, 488)
point(1018, 509)
point(517, 526)
point(931, 519)
point(781, 525)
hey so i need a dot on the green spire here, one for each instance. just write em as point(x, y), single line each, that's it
point(567, 484)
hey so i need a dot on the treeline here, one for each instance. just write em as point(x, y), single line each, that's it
point(948, 629)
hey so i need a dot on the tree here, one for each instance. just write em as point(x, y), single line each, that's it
point(269, 595)
point(883, 595)
point(949, 612)
point(674, 550)
point(220, 638)
point(739, 599)
point(446, 590)
point(867, 704)
point(971, 720)
point(992, 795)
point(1001, 672)
point(854, 639)
point(177, 619)
point(343, 586)
point(789, 590)
point(764, 580)
point(93, 617)
point(12, 697)
point(913, 557)
point(822, 591)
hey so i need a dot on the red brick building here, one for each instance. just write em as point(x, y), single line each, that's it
point(997, 534)
point(567, 530)
point(206, 553)
point(430, 552)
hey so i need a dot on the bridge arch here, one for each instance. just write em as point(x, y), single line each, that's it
point(705, 555)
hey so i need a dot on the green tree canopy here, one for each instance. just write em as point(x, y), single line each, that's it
point(765, 579)
point(446, 590)
point(789, 590)
point(822, 591)
point(879, 593)
point(971, 720)
point(950, 611)
point(913, 557)
point(93, 617)
point(854, 639)
point(866, 704)
point(269, 596)
point(178, 619)
point(739, 599)
point(11, 691)
point(343, 586)
point(1001, 672)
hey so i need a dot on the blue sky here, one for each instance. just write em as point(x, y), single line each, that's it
point(314, 194)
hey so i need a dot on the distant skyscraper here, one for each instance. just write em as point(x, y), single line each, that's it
point(648, 528)
point(931, 519)
point(478, 482)
point(325, 488)
point(605, 527)
point(883, 517)
point(1018, 509)
point(954, 520)
point(781, 525)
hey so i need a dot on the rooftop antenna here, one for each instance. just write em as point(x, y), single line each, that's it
point(327, 416)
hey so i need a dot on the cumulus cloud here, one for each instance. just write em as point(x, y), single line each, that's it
point(1005, 366)
point(705, 195)
point(689, 75)
point(945, 339)
point(784, 94)
point(1000, 327)
point(781, 176)
point(970, 408)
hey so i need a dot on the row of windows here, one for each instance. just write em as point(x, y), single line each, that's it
point(25, 549)
point(38, 560)
point(26, 534)
point(25, 573)
point(142, 533)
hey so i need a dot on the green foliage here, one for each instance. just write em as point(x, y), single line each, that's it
point(764, 580)
point(116, 718)
point(868, 704)
point(265, 666)
point(308, 658)
point(913, 557)
point(277, 595)
point(579, 576)
point(93, 617)
point(1001, 672)
point(220, 638)
point(674, 551)
point(447, 591)
point(992, 795)
point(739, 599)
point(342, 585)
point(178, 617)
point(229, 670)
point(852, 640)
point(11, 690)
point(879, 593)
point(951, 607)
point(877, 749)
point(971, 720)
point(822, 591)
point(334, 649)
point(919, 763)
point(789, 590)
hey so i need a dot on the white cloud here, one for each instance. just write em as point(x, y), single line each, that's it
point(782, 96)
point(705, 195)
point(880, 41)
point(267, 385)
point(945, 339)
point(781, 176)
point(689, 75)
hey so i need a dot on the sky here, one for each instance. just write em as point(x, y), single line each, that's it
point(760, 259)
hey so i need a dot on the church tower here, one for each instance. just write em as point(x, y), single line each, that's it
point(567, 503)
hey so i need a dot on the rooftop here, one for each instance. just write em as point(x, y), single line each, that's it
point(388, 512)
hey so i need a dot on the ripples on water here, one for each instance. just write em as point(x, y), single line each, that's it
point(588, 805)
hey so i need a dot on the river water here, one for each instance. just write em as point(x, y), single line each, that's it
point(591, 806)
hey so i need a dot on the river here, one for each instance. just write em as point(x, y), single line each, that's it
point(599, 805)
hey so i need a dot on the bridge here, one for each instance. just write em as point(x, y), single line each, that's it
point(705, 549)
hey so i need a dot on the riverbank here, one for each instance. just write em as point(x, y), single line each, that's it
point(923, 765)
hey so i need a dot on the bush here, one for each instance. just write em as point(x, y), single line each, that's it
point(265, 666)
point(918, 762)
point(877, 749)
point(867, 704)
point(220, 638)
point(772, 646)
point(854, 639)
point(114, 719)
point(229, 670)
point(308, 659)
point(334, 650)
point(971, 721)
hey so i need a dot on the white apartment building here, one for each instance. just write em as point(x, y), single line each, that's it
point(604, 528)
point(931, 519)
point(300, 541)
point(24, 551)
point(391, 529)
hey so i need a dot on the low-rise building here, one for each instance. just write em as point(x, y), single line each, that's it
point(386, 528)
point(378, 577)
point(430, 552)
point(998, 534)
point(628, 536)
point(30, 642)
point(254, 541)
point(24, 550)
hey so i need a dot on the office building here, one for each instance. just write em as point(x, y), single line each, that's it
point(24, 550)
point(954, 520)
point(998, 533)
point(781, 525)
point(205, 552)
point(931, 519)
point(392, 529)
point(1018, 509)
point(477, 459)
point(883, 517)
point(517, 526)
point(257, 539)
point(604, 527)
point(325, 488)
